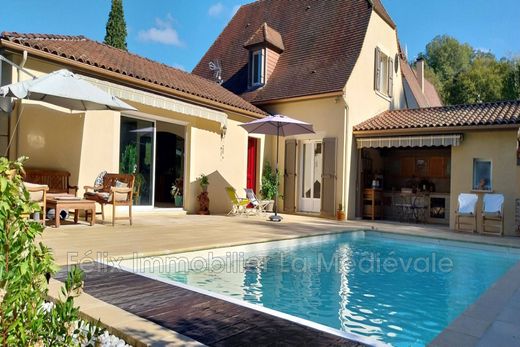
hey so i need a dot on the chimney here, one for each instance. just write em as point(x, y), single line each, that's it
point(419, 71)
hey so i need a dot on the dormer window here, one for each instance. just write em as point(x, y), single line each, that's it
point(257, 63)
point(265, 47)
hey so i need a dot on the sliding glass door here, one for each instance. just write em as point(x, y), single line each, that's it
point(136, 156)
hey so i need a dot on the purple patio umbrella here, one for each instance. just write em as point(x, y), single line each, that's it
point(280, 126)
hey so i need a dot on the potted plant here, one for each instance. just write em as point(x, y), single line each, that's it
point(176, 192)
point(204, 182)
point(340, 214)
point(269, 186)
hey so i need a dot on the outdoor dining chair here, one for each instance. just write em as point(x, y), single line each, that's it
point(258, 205)
point(467, 205)
point(238, 204)
point(493, 211)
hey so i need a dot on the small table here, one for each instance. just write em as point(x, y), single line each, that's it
point(60, 202)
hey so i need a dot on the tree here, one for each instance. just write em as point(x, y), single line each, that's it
point(512, 83)
point(462, 74)
point(447, 56)
point(116, 26)
point(482, 81)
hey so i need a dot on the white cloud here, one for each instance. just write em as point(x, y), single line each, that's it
point(163, 32)
point(216, 9)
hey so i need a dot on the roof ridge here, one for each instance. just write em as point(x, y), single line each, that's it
point(84, 38)
point(190, 83)
point(487, 103)
point(39, 36)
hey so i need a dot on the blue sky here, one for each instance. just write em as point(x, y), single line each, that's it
point(178, 32)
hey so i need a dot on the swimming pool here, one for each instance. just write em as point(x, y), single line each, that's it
point(400, 290)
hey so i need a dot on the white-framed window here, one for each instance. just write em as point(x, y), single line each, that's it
point(257, 67)
point(482, 174)
point(384, 73)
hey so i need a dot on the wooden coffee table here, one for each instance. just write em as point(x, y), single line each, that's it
point(61, 202)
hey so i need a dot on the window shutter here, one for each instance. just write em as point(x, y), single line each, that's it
point(289, 186)
point(377, 69)
point(390, 77)
point(329, 177)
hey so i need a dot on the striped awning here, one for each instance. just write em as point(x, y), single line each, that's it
point(409, 141)
point(159, 101)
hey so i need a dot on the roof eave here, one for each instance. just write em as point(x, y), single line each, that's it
point(433, 130)
point(130, 80)
point(299, 98)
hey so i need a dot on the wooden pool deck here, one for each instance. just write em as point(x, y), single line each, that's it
point(211, 321)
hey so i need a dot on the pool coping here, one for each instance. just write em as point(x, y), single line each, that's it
point(437, 232)
point(493, 319)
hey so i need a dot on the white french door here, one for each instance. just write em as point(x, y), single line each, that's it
point(310, 176)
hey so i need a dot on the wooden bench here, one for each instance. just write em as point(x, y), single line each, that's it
point(56, 180)
point(109, 194)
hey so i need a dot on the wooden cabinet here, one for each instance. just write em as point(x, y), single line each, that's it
point(372, 203)
point(437, 167)
point(407, 166)
point(433, 167)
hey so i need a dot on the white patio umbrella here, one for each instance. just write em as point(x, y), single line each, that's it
point(278, 125)
point(65, 89)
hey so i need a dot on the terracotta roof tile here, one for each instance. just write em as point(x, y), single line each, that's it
point(322, 40)
point(428, 98)
point(431, 94)
point(413, 83)
point(493, 113)
point(266, 34)
point(84, 50)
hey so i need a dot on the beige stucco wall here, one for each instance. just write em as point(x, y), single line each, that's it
point(499, 147)
point(363, 101)
point(336, 116)
point(88, 143)
point(328, 118)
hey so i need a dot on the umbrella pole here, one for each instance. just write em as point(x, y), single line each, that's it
point(276, 217)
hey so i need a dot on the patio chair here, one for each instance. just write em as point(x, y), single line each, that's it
point(38, 194)
point(467, 209)
point(258, 205)
point(239, 204)
point(493, 211)
point(116, 190)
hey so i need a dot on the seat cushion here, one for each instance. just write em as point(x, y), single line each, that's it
point(99, 197)
point(121, 196)
point(38, 195)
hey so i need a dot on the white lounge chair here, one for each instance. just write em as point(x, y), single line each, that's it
point(466, 208)
point(258, 205)
point(493, 210)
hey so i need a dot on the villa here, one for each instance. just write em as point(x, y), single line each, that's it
point(337, 74)
point(384, 150)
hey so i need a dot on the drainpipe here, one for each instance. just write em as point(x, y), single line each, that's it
point(345, 139)
point(19, 108)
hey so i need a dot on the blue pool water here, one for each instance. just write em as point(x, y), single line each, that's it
point(397, 289)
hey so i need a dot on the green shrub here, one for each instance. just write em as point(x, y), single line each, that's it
point(25, 317)
point(269, 183)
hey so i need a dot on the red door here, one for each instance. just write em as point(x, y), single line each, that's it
point(251, 163)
